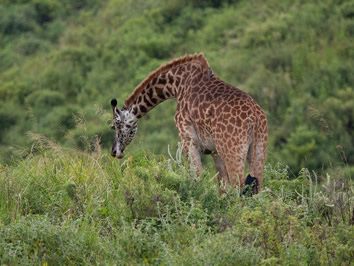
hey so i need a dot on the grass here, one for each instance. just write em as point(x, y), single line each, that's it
point(61, 206)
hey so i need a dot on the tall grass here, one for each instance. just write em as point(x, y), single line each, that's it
point(61, 206)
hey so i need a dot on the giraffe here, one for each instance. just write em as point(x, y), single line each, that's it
point(212, 117)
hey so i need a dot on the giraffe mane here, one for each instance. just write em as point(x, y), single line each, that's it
point(163, 68)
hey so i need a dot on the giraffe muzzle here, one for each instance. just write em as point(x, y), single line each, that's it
point(118, 155)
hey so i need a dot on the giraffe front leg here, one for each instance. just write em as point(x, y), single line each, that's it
point(192, 155)
point(221, 172)
point(190, 141)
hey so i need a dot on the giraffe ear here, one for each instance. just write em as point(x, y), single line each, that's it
point(115, 110)
point(113, 103)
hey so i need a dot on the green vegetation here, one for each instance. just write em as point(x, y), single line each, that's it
point(65, 58)
point(69, 207)
point(63, 200)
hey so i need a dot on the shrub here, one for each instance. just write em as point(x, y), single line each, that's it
point(89, 208)
point(36, 240)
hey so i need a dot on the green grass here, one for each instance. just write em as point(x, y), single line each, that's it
point(295, 58)
point(62, 61)
point(61, 206)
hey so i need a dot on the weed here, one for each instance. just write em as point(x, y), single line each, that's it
point(60, 206)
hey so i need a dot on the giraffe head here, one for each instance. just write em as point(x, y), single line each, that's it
point(125, 126)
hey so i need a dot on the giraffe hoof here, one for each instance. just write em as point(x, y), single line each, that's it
point(251, 186)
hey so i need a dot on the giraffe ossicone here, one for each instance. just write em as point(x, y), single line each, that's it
point(212, 117)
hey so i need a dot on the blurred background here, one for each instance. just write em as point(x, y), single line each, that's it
point(61, 62)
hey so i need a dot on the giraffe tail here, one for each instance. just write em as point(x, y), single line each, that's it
point(255, 160)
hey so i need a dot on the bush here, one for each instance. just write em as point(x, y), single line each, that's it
point(8, 118)
point(64, 206)
point(278, 181)
point(36, 240)
point(17, 19)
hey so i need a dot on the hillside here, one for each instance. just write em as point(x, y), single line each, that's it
point(68, 207)
point(65, 200)
point(61, 62)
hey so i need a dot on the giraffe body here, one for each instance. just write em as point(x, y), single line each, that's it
point(212, 117)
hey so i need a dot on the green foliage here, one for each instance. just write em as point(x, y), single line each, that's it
point(17, 19)
point(279, 182)
point(63, 206)
point(63, 200)
point(59, 59)
point(8, 118)
point(43, 242)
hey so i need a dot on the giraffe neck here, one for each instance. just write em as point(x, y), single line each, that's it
point(169, 84)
